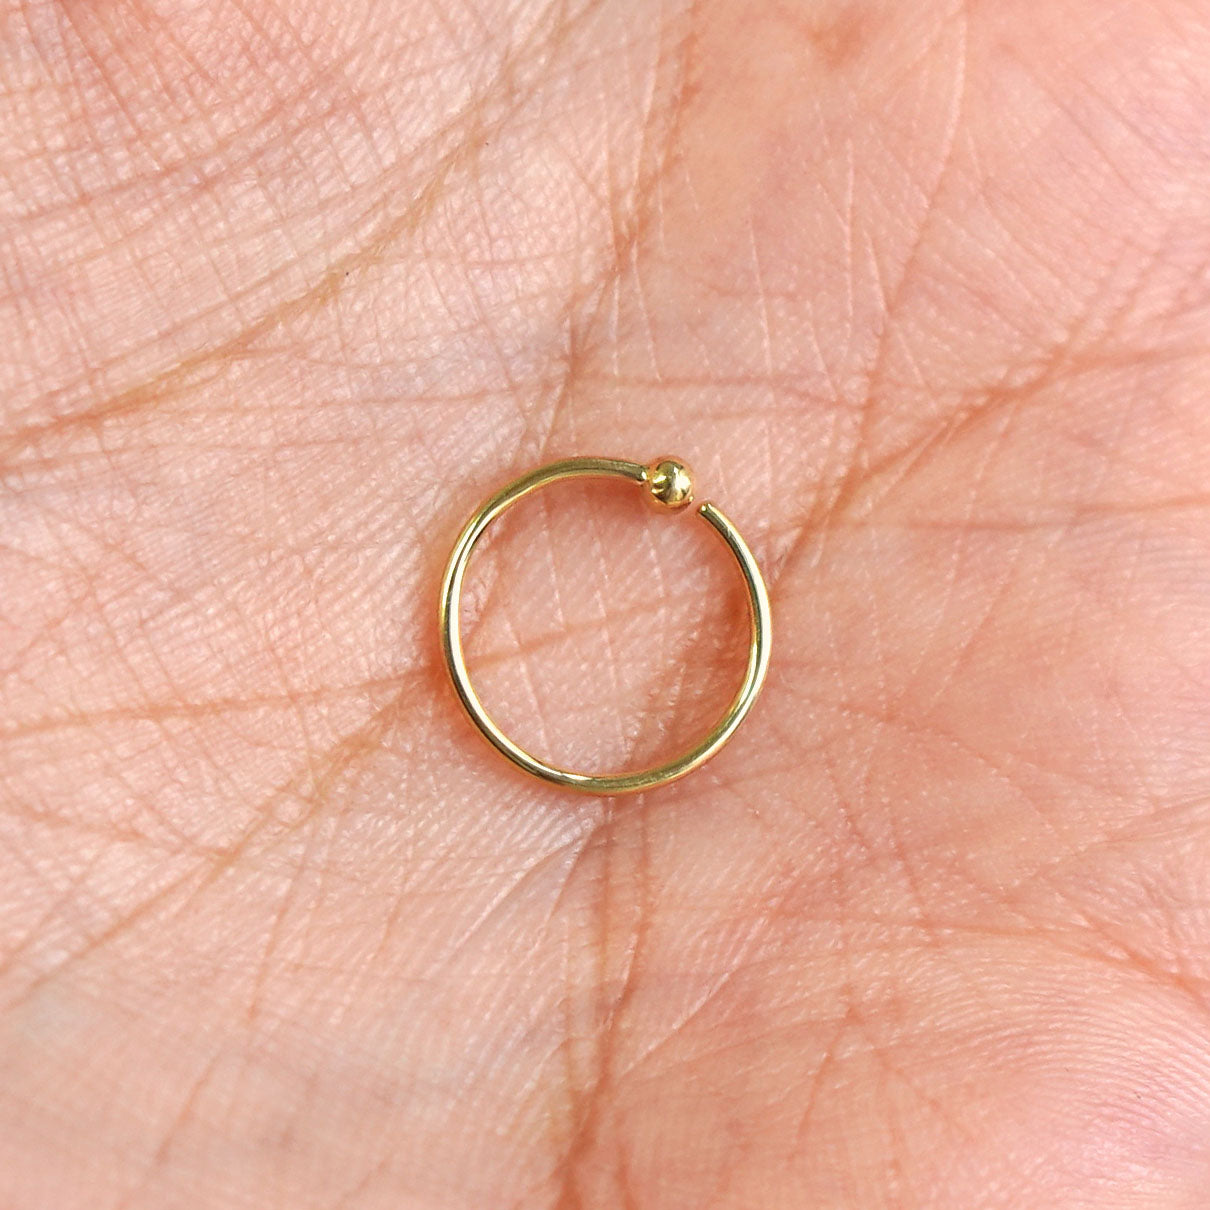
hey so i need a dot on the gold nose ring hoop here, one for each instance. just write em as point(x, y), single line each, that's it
point(669, 486)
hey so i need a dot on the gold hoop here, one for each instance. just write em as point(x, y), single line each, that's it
point(670, 486)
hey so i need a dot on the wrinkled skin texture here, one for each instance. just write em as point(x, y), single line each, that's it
point(921, 290)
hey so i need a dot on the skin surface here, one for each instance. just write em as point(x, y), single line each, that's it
point(922, 292)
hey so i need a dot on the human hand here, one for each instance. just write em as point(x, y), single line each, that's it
point(920, 290)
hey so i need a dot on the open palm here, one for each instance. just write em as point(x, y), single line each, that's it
point(922, 292)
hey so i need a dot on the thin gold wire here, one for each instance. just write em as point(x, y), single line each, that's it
point(760, 632)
